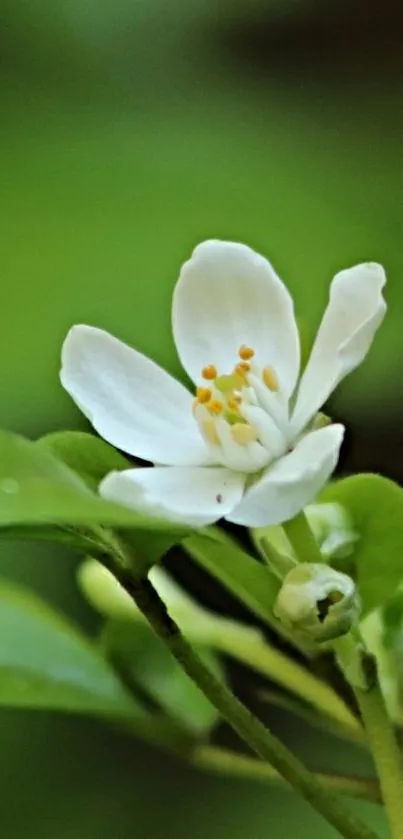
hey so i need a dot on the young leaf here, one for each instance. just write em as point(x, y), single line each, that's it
point(376, 507)
point(245, 577)
point(89, 456)
point(149, 665)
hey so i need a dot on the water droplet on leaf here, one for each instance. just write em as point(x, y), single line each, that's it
point(10, 486)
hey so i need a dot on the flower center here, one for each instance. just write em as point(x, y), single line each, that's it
point(236, 413)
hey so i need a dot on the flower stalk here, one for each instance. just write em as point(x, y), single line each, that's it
point(246, 725)
point(302, 539)
point(360, 669)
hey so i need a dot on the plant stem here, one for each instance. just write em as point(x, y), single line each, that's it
point(302, 539)
point(224, 762)
point(360, 669)
point(386, 754)
point(248, 727)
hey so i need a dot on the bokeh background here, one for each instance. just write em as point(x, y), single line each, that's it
point(131, 130)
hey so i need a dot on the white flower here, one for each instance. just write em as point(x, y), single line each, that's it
point(244, 448)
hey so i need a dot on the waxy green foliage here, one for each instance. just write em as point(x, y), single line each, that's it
point(47, 491)
point(376, 561)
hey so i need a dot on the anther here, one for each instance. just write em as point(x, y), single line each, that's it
point(245, 352)
point(234, 402)
point(242, 369)
point(203, 394)
point(270, 378)
point(215, 407)
point(243, 434)
point(209, 372)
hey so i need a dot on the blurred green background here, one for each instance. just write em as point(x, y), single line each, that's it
point(129, 132)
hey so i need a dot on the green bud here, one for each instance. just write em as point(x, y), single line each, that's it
point(104, 592)
point(318, 602)
point(107, 596)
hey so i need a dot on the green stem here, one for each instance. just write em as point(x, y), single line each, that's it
point(360, 669)
point(302, 539)
point(386, 754)
point(248, 727)
point(224, 762)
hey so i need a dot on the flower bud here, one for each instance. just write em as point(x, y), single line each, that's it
point(107, 596)
point(318, 602)
point(104, 592)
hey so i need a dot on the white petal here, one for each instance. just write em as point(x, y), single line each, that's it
point(130, 401)
point(355, 311)
point(227, 295)
point(195, 496)
point(292, 482)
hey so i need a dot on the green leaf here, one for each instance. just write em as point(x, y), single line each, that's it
point(89, 456)
point(47, 663)
point(392, 620)
point(150, 666)
point(38, 489)
point(240, 573)
point(306, 713)
point(376, 508)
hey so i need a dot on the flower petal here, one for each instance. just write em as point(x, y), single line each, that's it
point(195, 496)
point(356, 308)
point(130, 401)
point(227, 295)
point(292, 482)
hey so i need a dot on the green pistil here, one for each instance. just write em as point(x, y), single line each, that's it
point(233, 418)
point(227, 384)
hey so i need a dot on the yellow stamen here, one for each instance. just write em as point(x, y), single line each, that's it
point(234, 402)
point(203, 394)
point(245, 352)
point(241, 370)
point(209, 372)
point(243, 434)
point(270, 378)
point(215, 407)
point(210, 432)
